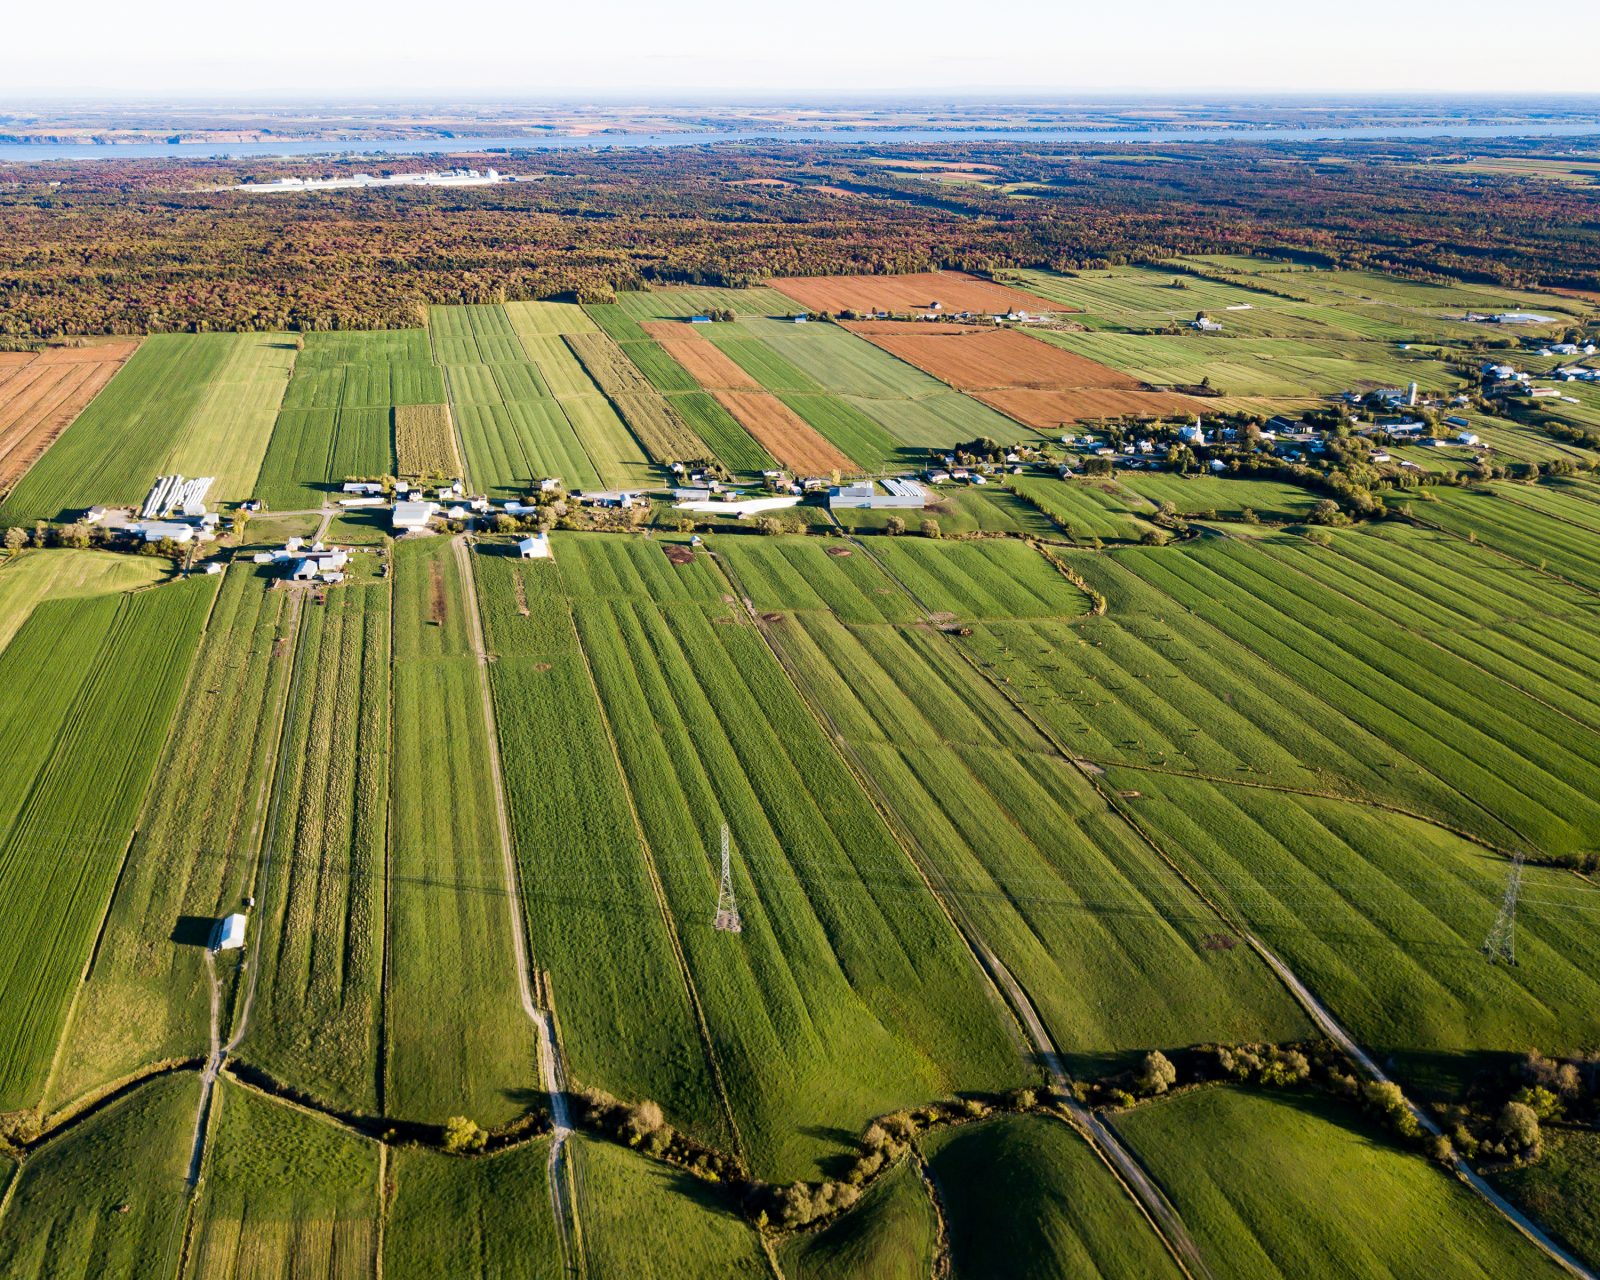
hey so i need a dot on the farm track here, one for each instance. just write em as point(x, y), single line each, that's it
point(662, 905)
point(1158, 1211)
point(1319, 1014)
point(551, 1072)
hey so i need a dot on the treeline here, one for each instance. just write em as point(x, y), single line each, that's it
point(112, 245)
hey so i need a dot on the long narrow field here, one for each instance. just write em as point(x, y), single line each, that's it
point(951, 291)
point(201, 404)
point(1305, 1190)
point(1040, 385)
point(994, 579)
point(486, 1216)
point(42, 392)
point(1227, 497)
point(1384, 917)
point(286, 1194)
point(1026, 1197)
point(338, 417)
point(665, 436)
point(624, 1009)
point(321, 896)
point(66, 836)
point(458, 1042)
point(107, 1197)
point(1089, 509)
point(1545, 531)
point(1034, 864)
point(146, 999)
point(652, 1221)
point(818, 1012)
point(525, 408)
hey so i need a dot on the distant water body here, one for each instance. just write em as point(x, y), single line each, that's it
point(872, 137)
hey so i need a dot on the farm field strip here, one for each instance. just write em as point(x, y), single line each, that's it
point(625, 1014)
point(146, 997)
point(953, 291)
point(1036, 383)
point(1384, 916)
point(663, 435)
point(285, 1194)
point(321, 914)
point(990, 579)
point(784, 433)
point(1089, 509)
point(61, 855)
point(1036, 865)
point(1310, 1182)
point(1505, 758)
point(1530, 536)
point(425, 441)
point(1151, 684)
point(710, 731)
point(457, 1041)
point(204, 402)
point(40, 399)
point(1226, 495)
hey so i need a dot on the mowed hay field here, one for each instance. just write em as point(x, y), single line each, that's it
point(1307, 1188)
point(955, 291)
point(42, 392)
point(425, 441)
point(1038, 384)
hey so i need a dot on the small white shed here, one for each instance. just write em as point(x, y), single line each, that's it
point(536, 547)
point(229, 933)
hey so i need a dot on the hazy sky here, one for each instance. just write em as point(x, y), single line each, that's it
point(624, 48)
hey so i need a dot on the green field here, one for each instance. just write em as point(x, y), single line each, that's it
point(1227, 496)
point(1308, 1189)
point(286, 1194)
point(201, 405)
point(709, 731)
point(655, 1222)
point(486, 1216)
point(457, 1041)
point(26, 580)
point(1026, 1197)
point(63, 843)
point(321, 893)
point(1560, 1190)
point(891, 1234)
point(107, 1197)
point(146, 998)
point(1089, 509)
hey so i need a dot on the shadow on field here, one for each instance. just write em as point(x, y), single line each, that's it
point(194, 931)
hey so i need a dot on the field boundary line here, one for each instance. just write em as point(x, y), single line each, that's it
point(661, 898)
point(546, 1058)
point(133, 837)
point(382, 1065)
point(1319, 1014)
point(1007, 992)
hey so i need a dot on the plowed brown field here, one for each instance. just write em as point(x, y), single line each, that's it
point(954, 290)
point(42, 392)
point(1039, 385)
point(784, 434)
point(707, 362)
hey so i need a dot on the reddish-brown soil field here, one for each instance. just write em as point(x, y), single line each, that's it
point(711, 368)
point(1047, 410)
point(783, 433)
point(1039, 385)
point(972, 358)
point(955, 291)
point(41, 393)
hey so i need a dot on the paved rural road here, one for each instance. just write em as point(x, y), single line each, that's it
point(550, 1071)
point(1330, 1027)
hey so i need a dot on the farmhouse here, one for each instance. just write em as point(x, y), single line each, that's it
point(414, 515)
point(618, 499)
point(1205, 324)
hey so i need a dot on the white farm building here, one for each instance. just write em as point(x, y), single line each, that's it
point(228, 935)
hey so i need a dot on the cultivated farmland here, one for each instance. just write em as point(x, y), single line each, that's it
point(954, 291)
point(40, 394)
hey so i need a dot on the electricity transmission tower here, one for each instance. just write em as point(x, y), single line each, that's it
point(727, 917)
point(1501, 944)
